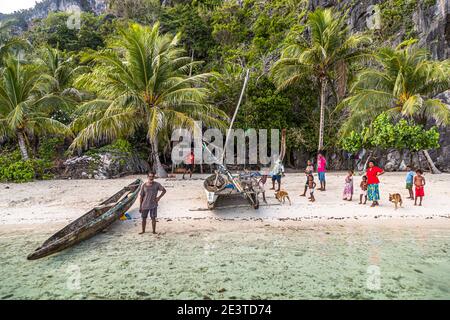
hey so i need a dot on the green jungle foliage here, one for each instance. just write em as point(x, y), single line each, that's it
point(126, 78)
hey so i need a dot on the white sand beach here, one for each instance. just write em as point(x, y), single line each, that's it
point(56, 201)
point(329, 249)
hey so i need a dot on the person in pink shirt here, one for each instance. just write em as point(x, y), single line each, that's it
point(321, 168)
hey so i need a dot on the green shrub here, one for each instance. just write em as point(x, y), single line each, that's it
point(19, 171)
point(398, 14)
point(14, 169)
point(48, 148)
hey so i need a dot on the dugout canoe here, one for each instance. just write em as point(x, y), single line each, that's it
point(91, 223)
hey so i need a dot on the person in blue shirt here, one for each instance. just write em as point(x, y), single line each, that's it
point(409, 181)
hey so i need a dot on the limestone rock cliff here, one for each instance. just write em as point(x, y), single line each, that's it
point(43, 8)
point(430, 20)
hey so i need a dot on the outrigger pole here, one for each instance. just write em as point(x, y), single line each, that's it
point(247, 76)
point(221, 164)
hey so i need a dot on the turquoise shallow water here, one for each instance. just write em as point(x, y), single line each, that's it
point(234, 260)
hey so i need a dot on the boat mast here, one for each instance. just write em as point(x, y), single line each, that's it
point(247, 75)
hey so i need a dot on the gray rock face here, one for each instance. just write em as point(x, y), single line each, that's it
point(442, 155)
point(389, 160)
point(431, 22)
point(43, 8)
point(433, 27)
point(104, 166)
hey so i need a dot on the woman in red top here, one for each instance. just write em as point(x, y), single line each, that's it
point(373, 191)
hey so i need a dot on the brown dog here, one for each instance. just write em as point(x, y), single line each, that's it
point(396, 198)
point(282, 196)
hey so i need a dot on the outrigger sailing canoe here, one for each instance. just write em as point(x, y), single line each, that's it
point(223, 183)
point(90, 223)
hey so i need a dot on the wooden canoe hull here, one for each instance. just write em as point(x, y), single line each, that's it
point(91, 223)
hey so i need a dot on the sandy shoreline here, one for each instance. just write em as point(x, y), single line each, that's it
point(54, 201)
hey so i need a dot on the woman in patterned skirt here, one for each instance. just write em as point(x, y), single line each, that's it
point(373, 191)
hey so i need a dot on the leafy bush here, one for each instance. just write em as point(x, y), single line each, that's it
point(353, 142)
point(14, 169)
point(48, 148)
point(265, 108)
point(384, 134)
point(19, 171)
point(398, 14)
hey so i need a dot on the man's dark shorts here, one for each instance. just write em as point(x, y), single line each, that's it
point(153, 213)
point(276, 178)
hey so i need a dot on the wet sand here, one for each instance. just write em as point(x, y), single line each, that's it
point(329, 250)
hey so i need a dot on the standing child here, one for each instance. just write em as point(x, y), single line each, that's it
point(419, 182)
point(321, 168)
point(309, 170)
point(277, 172)
point(363, 188)
point(348, 188)
point(190, 164)
point(261, 183)
point(311, 187)
point(409, 181)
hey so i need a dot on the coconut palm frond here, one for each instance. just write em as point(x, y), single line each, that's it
point(107, 128)
point(402, 81)
point(26, 103)
point(437, 110)
point(43, 125)
point(146, 73)
point(412, 105)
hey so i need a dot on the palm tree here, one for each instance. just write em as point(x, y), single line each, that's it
point(327, 53)
point(25, 104)
point(142, 82)
point(57, 66)
point(62, 73)
point(404, 83)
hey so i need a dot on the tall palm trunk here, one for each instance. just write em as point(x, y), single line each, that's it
point(157, 166)
point(322, 84)
point(433, 168)
point(367, 160)
point(22, 145)
point(423, 121)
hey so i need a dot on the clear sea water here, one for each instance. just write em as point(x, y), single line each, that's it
point(254, 261)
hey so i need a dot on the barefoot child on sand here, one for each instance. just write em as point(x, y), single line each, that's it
point(311, 187)
point(277, 172)
point(309, 170)
point(190, 164)
point(348, 188)
point(419, 182)
point(409, 181)
point(261, 183)
point(363, 188)
point(149, 200)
